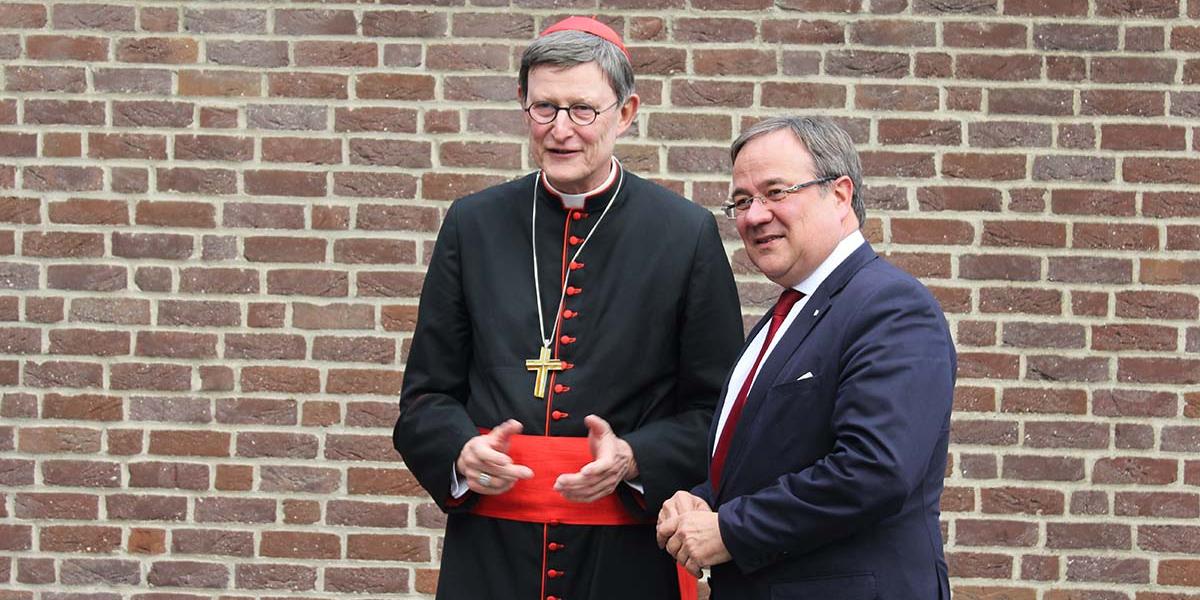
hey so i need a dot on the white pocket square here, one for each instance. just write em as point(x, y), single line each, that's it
point(807, 375)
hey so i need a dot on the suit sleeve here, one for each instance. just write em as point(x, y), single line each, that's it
point(890, 414)
point(434, 425)
point(670, 452)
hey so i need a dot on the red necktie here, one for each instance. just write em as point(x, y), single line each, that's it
point(787, 300)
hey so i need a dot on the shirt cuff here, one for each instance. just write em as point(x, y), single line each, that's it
point(458, 484)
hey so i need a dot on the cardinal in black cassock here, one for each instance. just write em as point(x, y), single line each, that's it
point(632, 316)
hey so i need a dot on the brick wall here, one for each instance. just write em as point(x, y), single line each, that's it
point(215, 218)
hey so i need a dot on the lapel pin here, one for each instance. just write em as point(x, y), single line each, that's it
point(816, 312)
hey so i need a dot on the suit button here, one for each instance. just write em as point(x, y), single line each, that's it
point(566, 339)
point(574, 240)
point(554, 574)
point(572, 290)
point(560, 388)
point(559, 415)
point(569, 314)
point(575, 266)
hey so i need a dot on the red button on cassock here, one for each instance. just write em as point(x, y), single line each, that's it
point(555, 546)
point(552, 598)
point(574, 240)
point(560, 388)
point(575, 266)
point(569, 314)
point(566, 339)
point(572, 290)
point(554, 574)
point(559, 415)
point(577, 216)
point(568, 366)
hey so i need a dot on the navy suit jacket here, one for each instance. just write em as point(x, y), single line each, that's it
point(832, 485)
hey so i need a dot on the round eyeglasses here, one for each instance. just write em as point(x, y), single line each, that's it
point(580, 113)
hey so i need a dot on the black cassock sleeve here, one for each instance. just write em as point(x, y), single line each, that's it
point(671, 453)
point(434, 425)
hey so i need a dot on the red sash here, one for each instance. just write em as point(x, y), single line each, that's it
point(535, 501)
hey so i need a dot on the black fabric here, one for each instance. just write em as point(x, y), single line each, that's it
point(658, 328)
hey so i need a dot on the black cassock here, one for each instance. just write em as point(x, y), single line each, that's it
point(654, 326)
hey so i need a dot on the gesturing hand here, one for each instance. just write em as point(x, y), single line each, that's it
point(487, 455)
point(612, 463)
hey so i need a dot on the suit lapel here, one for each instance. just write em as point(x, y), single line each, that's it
point(813, 311)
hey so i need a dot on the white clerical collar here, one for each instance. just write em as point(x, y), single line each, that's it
point(577, 201)
point(840, 253)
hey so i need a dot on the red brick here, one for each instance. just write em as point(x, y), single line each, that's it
point(78, 473)
point(289, 544)
point(1043, 468)
point(23, 16)
point(285, 183)
point(234, 478)
point(56, 506)
point(363, 381)
point(140, 507)
point(1015, 500)
point(393, 86)
point(315, 22)
point(978, 564)
point(1157, 305)
point(983, 166)
point(54, 440)
point(1158, 504)
point(1108, 569)
point(1020, 300)
point(1089, 535)
point(188, 574)
point(1142, 137)
point(1134, 337)
point(1122, 102)
point(299, 479)
point(219, 83)
point(1134, 470)
point(1161, 170)
point(712, 93)
point(395, 120)
point(1093, 202)
point(287, 117)
point(225, 21)
point(1031, 102)
point(979, 532)
point(64, 112)
point(235, 510)
point(366, 580)
point(280, 379)
point(168, 475)
point(1179, 572)
point(995, 266)
point(45, 79)
point(122, 311)
point(1090, 270)
point(307, 85)
point(1171, 204)
point(212, 542)
point(157, 50)
point(90, 407)
point(62, 538)
point(275, 577)
point(1138, 9)
point(198, 313)
point(260, 444)
point(189, 443)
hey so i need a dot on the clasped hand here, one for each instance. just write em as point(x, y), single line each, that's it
point(612, 463)
point(689, 530)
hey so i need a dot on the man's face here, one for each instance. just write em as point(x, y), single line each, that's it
point(575, 158)
point(787, 240)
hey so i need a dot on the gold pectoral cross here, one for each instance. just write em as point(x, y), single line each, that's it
point(543, 365)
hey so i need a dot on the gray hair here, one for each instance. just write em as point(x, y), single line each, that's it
point(570, 48)
point(831, 148)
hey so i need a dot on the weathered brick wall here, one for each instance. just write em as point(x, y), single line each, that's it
point(215, 217)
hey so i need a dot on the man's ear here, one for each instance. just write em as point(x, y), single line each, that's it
point(628, 112)
point(843, 191)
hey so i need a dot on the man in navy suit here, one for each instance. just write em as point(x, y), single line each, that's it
point(829, 447)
